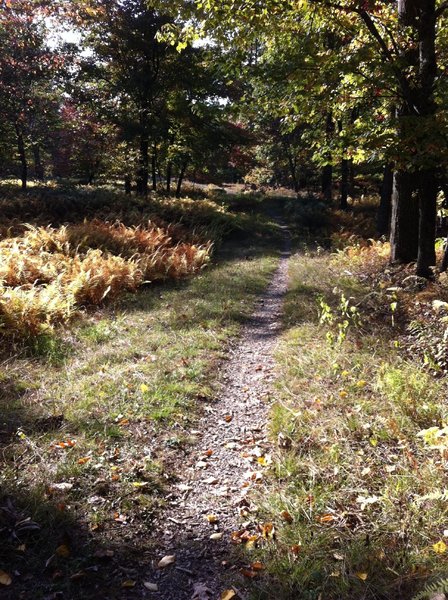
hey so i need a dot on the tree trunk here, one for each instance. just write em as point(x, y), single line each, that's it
point(181, 177)
point(169, 170)
point(385, 208)
point(38, 166)
point(154, 168)
point(22, 157)
point(405, 218)
point(343, 204)
point(127, 184)
point(327, 171)
point(142, 172)
point(351, 178)
point(427, 222)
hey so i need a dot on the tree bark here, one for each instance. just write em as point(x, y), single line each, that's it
point(143, 172)
point(181, 178)
point(385, 208)
point(154, 168)
point(343, 204)
point(428, 187)
point(327, 171)
point(405, 218)
point(127, 184)
point(38, 166)
point(169, 170)
point(22, 157)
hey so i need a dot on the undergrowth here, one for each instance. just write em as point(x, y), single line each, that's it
point(357, 495)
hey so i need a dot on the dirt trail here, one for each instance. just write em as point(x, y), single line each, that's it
point(234, 429)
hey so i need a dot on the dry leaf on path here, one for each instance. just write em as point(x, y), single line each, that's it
point(228, 595)
point(152, 587)
point(166, 561)
point(5, 578)
point(216, 536)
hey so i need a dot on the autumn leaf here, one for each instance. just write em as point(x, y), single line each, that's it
point(63, 551)
point(257, 566)
point(285, 515)
point(212, 519)
point(144, 388)
point(326, 518)
point(228, 595)
point(84, 460)
point(129, 583)
point(440, 547)
point(216, 536)
point(152, 587)
point(166, 561)
point(5, 578)
point(362, 576)
point(249, 573)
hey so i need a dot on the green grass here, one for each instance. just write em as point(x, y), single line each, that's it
point(366, 494)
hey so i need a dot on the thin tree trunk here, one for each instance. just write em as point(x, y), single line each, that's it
point(127, 184)
point(343, 204)
point(181, 177)
point(327, 171)
point(385, 208)
point(169, 170)
point(143, 162)
point(405, 218)
point(22, 157)
point(38, 166)
point(427, 222)
point(351, 178)
point(154, 168)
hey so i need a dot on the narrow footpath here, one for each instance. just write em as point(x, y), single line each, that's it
point(210, 501)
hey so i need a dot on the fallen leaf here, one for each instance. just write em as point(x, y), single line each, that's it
point(228, 595)
point(228, 418)
point(201, 464)
point(338, 556)
point(144, 388)
point(326, 518)
point(362, 576)
point(63, 551)
point(295, 549)
point(61, 487)
point(361, 383)
point(249, 573)
point(5, 578)
point(216, 536)
point(212, 519)
point(257, 566)
point(440, 547)
point(152, 587)
point(208, 452)
point(84, 460)
point(166, 561)
point(267, 530)
point(129, 583)
point(285, 515)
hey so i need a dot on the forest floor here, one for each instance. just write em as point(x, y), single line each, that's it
point(272, 428)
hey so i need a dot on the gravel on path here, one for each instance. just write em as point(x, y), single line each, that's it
point(210, 500)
